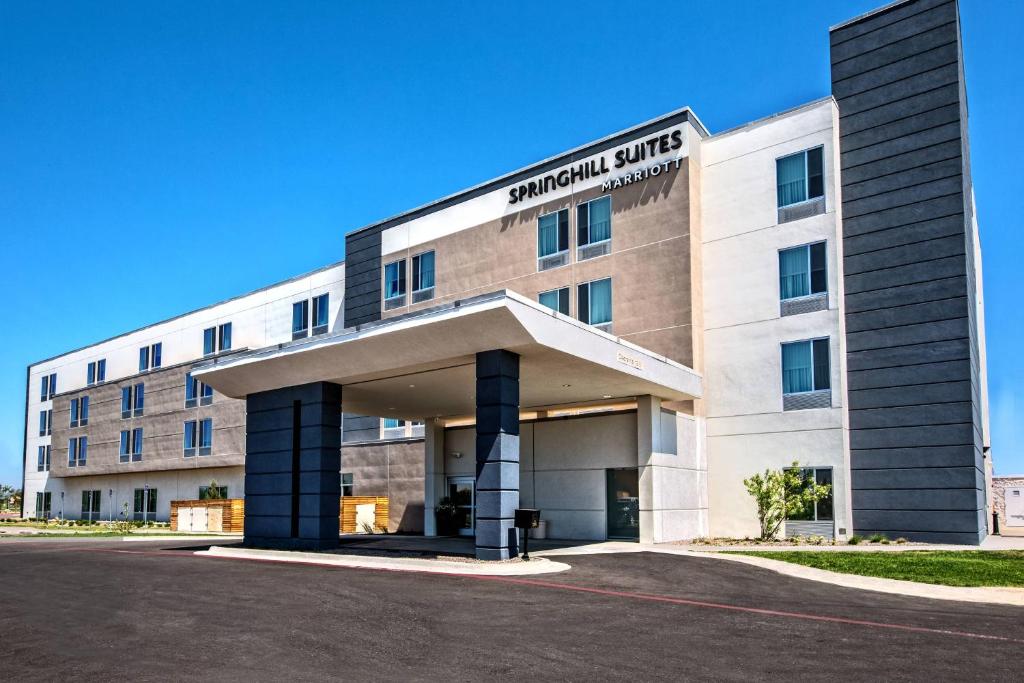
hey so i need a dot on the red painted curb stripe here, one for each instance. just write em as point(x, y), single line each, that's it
point(595, 591)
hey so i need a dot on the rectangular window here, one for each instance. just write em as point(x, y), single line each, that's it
point(347, 485)
point(79, 411)
point(144, 359)
point(48, 388)
point(321, 308)
point(124, 451)
point(393, 423)
point(101, 370)
point(556, 300)
point(205, 436)
point(74, 412)
point(91, 505)
point(43, 463)
point(805, 366)
point(802, 271)
point(90, 374)
point(78, 451)
point(133, 401)
point(157, 354)
point(594, 302)
point(144, 509)
point(213, 492)
point(822, 511)
point(300, 319)
point(224, 337)
point(137, 444)
point(191, 390)
point(594, 228)
point(45, 422)
point(190, 438)
point(394, 284)
point(140, 400)
point(799, 177)
point(43, 505)
point(553, 240)
point(126, 402)
point(209, 341)
point(423, 277)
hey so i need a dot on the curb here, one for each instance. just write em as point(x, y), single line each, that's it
point(407, 564)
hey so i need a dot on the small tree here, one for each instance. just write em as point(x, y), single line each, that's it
point(213, 491)
point(779, 494)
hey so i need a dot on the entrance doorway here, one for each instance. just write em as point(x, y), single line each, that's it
point(623, 503)
point(462, 493)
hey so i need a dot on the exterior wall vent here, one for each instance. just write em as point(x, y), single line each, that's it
point(807, 400)
point(423, 295)
point(394, 302)
point(804, 304)
point(589, 251)
point(553, 261)
point(810, 528)
point(802, 210)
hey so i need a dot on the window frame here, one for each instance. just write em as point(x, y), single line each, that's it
point(808, 246)
point(205, 436)
point(579, 307)
point(320, 302)
point(579, 229)
point(78, 451)
point(210, 341)
point(350, 484)
point(300, 332)
point(189, 444)
point(782, 365)
point(417, 272)
point(558, 291)
point(124, 446)
point(558, 227)
point(224, 331)
point(403, 283)
point(807, 177)
point(831, 494)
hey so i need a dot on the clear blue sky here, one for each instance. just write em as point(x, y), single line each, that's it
point(158, 157)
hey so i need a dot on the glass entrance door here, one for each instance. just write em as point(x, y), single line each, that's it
point(462, 492)
point(623, 503)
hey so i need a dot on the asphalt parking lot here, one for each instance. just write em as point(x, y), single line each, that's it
point(77, 609)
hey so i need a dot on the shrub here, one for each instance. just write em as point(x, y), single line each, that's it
point(877, 538)
point(816, 540)
point(902, 540)
point(854, 540)
point(779, 494)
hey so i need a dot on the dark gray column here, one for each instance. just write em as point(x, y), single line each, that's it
point(497, 454)
point(292, 467)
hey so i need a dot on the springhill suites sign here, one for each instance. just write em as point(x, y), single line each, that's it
point(626, 156)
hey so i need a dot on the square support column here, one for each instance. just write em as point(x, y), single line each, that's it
point(293, 467)
point(433, 473)
point(497, 454)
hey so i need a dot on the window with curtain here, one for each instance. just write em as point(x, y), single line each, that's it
point(423, 271)
point(553, 233)
point(594, 221)
point(800, 177)
point(802, 271)
point(224, 337)
point(556, 300)
point(594, 302)
point(300, 319)
point(321, 307)
point(394, 279)
point(209, 336)
point(805, 366)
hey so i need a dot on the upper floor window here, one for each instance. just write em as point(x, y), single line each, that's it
point(556, 300)
point(150, 357)
point(300, 319)
point(45, 422)
point(77, 451)
point(224, 337)
point(321, 306)
point(43, 463)
point(594, 228)
point(805, 366)
point(594, 303)
point(48, 387)
point(79, 411)
point(423, 277)
point(196, 392)
point(347, 484)
point(131, 445)
point(802, 271)
point(394, 284)
point(553, 240)
point(96, 372)
point(198, 438)
point(799, 177)
point(133, 401)
point(216, 339)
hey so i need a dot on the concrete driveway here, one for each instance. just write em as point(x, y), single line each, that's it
point(153, 611)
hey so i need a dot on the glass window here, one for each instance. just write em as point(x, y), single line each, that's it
point(140, 400)
point(799, 177)
point(53, 386)
point(43, 499)
point(157, 354)
point(805, 366)
point(190, 438)
point(101, 370)
point(43, 462)
point(45, 422)
point(83, 417)
point(553, 233)
point(556, 300)
point(44, 388)
point(91, 505)
point(802, 271)
point(205, 436)
point(423, 271)
point(224, 337)
point(594, 302)
point(822, 511)
point(90, 374)
point(125, 449)
point(144, 508)
point(77, 451)
point(394, 279)
point(213, 492)
point(594, 221)
point(126, 402)
point(205, 394)
point(321, 306)
point(209, 339)
point(300, 319)
point(191, 390)
point(347, 485)
point(137, 444)
point(144, 359)
point(74, 412)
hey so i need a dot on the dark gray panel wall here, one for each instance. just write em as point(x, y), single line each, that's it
point(362, 277)
point(360, 428)
point(912, 353)
point(497, 454)
point(293, 467)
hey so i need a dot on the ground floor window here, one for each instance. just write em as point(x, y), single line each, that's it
point(347, 484)
point(213, 492)
point(91, 505)
point(822, 510)
point(43, 499)
point(145, 505)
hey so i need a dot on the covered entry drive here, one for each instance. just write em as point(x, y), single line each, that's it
point(537, 408)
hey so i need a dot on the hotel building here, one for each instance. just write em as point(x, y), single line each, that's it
point(617, 335)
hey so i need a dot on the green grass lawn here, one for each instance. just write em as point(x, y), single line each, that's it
point(945, 567)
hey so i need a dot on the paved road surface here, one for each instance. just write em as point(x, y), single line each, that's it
point(90, 609)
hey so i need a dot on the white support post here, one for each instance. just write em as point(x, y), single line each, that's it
point(433, 473)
